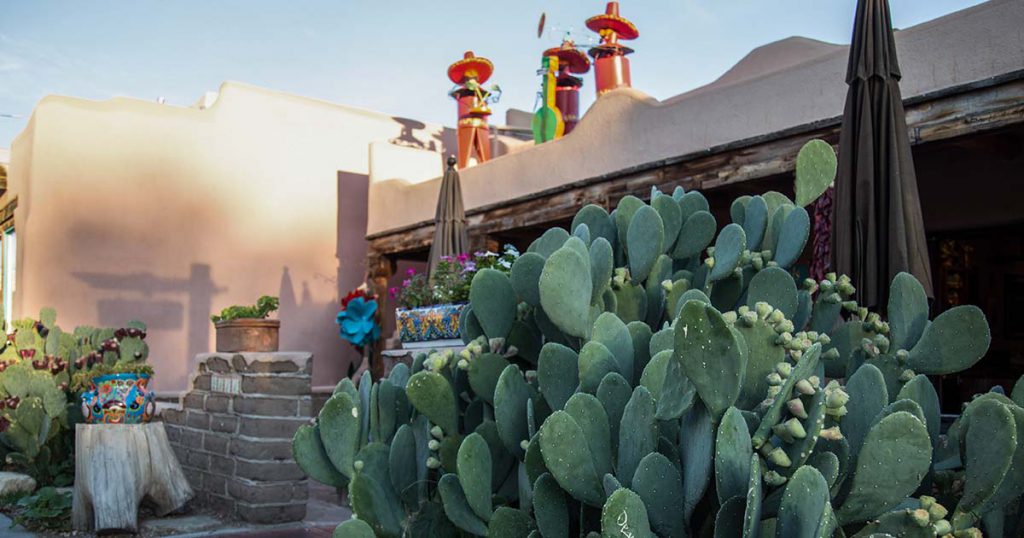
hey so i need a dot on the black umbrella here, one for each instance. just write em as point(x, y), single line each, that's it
point(450, 219)
point(877, 226)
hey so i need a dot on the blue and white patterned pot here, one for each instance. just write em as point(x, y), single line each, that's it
point(435, 322)
point(119, 399)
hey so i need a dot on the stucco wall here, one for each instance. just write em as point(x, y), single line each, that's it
point(136, 210)
point(627, 128)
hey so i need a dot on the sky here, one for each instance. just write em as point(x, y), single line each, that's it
point(383, 55)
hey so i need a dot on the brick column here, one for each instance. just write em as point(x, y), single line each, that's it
point(233, 431)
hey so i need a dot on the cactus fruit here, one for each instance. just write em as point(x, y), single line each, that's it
point(641, 375)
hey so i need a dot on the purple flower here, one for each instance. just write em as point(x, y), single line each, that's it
point(469, 267)
point(406, 283)
point(462, 258)
point(410, 272)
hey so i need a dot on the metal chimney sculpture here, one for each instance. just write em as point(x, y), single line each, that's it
point(571, 61)
point(611, 67)
point(469, 74)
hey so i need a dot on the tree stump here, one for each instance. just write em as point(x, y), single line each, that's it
point(116, 467)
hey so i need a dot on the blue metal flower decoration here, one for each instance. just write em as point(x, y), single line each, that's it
point(357, 323)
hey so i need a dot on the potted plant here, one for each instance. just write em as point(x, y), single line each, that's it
point(246, 328)
point(358, 323)
point(430, 308)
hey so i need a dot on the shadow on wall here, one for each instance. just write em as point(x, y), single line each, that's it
point(444, 142)
point(305, 322)
point(192, 310)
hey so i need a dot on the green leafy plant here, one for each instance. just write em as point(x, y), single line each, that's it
point(46, 509)
point(644, 374)
point(263, 307)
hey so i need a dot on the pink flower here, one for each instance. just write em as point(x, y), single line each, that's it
point(406, 283)
point(410, 272)
point(393, 292)
point(462, 258)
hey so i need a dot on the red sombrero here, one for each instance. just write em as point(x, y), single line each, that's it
point(612, 21)
point(470, 67)
point(571, 57)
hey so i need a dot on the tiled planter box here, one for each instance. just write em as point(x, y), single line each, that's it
point(429, 323)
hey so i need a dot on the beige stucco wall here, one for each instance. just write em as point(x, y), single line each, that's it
point(130, 209)
point(627, 128)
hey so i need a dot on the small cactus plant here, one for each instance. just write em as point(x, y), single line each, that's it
point(639, 375)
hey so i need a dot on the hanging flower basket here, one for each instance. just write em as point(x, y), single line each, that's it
point(119, 399)
point(428, 323)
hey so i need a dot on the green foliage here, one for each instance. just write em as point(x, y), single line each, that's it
point(46, 510)
point(263, 307)
point(42, 373)
point(628, 378)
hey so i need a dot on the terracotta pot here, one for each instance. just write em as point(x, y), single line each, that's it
point(247, 335)
point(118, 399)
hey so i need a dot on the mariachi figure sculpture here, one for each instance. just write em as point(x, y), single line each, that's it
point(571, 61)
point(469, 74)
point(611, 67)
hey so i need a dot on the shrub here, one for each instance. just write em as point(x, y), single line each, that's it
point(618, 382)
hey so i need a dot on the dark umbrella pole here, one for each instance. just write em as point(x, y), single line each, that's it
point(450, 220)
point(877, 227)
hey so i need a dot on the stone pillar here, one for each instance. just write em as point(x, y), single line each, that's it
point(233, 431)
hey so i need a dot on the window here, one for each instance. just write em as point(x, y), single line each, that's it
point(10, 256)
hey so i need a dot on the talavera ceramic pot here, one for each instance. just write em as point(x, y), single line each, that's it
point(119, 399)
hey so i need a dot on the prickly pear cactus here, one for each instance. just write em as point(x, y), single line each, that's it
point(653, 372)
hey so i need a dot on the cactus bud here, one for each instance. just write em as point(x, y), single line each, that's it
point(666, 285)
point(434, 445)
point(433, 463)
point(846, 289)
point(358, 465)
point(836, 398)
point(942, 527)
point(757, 263)
point(710, 262)
point(927, 502)
point(902, 355)
point(729, 317)
point(824, 339)
point(796, 354)
point(784, 369)
point(781, 432)
point(936, 511)
point(743, 310)
point(831, 354)
point(524, 444)
point(850, 306)
point(831, 434)
point(809, 284)
point(830, 277)
point(920, 517)
point(836, 412)
point(776, 316)
point(814, 380)
point(463, 364)
point(763, 309)
point(826, 287)
point(804, 387)
point(780, 458)
point(437, 432)
point(796, 408)
point(749, 318)
point(795, 428)
point(907, 375)
point(862, 312)
point(774, 379)
point(774, 391)
point(785, 338)
point(785, 326)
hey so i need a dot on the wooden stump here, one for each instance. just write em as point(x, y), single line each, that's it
point(116, 466)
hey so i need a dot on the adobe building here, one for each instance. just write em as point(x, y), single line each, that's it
point(963, 84)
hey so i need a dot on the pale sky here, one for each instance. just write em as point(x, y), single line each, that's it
point(389, 56)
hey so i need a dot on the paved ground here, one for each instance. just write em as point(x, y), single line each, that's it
point(323, 512)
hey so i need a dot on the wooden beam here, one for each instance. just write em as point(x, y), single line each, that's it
point(962, 111)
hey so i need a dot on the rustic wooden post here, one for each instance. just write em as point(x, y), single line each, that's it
point(116, 466)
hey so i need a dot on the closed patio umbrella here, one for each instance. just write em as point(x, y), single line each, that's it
point(450, 220)
point(878, 230)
